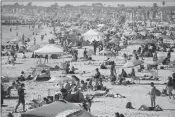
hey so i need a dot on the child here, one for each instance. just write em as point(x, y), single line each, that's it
point(153, 95)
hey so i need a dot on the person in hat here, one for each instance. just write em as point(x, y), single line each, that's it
point(153, 95)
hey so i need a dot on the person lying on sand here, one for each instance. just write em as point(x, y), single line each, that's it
point(115, 95)
point(107, 94)
point(146, 108)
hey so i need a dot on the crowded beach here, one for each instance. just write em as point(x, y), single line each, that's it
point(87, 61)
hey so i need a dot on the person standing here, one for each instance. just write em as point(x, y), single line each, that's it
point(34, 40)
point(155, 56)
point(95, 46)
point(170, 87)
point(97, 77)
point(153, 95)
point(21, 98)
point(46, 58)
point(2, 94)
point(85, 53)
point(173, 75)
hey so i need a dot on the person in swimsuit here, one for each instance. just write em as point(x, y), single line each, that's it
point(146, 108)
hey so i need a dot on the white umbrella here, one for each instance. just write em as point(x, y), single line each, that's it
point(92, 35)
point(92, 32)
point(49, 49)
point(132, 63)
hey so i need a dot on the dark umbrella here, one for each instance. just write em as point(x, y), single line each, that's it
point(58, 109)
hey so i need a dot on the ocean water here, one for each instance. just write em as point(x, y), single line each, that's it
point(89, 2)
point(7, 35)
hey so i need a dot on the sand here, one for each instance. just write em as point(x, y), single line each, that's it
point(102, 106)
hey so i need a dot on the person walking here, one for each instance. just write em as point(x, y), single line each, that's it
point(21, 98)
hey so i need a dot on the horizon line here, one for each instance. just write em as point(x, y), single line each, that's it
point(87, 0)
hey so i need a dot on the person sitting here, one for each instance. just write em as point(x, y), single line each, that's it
point(123, 74)
point(113, 79)
point(29, 77)
point(164, 92)
point(102, 66)
point(129, 105)
point(43, 71)
point(67, 86)
point(100, 85)
point(83, 85)
point(33, 55)
point(146, 108)
point(166, 61)
point(22, 76)
point(23, 55)
point(72, 71)
point(121, 79)
point(77, 97)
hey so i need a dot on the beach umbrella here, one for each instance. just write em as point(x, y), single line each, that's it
point(107, 53)
point(49, 49)
point(132, 63)
point(58, 109)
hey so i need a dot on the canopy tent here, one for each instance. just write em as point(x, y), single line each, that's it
point(92, 32)
point(60, 108)
point(49, 49)
point(92, 35)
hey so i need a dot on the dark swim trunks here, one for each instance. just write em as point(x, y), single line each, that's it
point(21, 99)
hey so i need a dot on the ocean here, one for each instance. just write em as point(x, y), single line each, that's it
point(86, 2)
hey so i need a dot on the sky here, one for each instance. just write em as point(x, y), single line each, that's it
point(88, 2)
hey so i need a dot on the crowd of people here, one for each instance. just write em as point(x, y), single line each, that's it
point(116, 36)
